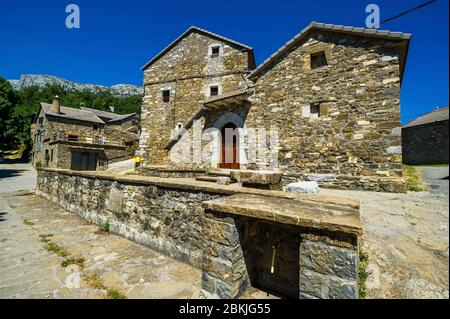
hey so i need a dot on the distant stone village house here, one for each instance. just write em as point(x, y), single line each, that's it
point(82, 139)
point(425, 139)
point(333, 93)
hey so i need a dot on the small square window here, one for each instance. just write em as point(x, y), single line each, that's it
point(318, 59)
point(213, 90)
point(215, 52)
point(166, 96)
point(72, 137)
point(315, 111)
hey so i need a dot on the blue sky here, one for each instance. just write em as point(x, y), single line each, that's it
point(117, 37)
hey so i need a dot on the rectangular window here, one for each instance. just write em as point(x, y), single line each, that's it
point(215, 52)
point(213, 90)
point(315, 111)
point(166, 96)
point(72, 137)
point(51, 155)
point(318, 60)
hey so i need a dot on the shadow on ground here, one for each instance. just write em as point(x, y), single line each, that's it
point(2, 216)
point(8, 173)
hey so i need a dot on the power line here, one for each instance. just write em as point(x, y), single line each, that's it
point(407, 11)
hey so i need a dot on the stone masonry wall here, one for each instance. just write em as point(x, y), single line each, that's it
point(167, 220)
point(309, 264)
point(426, 144)
point(356, 139)
point(234, 252)
point(187, 70)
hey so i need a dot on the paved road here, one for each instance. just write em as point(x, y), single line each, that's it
point(436, 179)
point(407, 239)
point(29, 270)
point(15, 177)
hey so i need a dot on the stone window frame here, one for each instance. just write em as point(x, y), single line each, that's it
point(171, 94)
point(315, 49)
point(320, 54)
point(208, 89)
point(322, 108)
point(210, 49)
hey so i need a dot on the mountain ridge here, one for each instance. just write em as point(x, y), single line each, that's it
point(41, 80)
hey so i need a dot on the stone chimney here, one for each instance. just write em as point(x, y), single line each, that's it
point(56, 107)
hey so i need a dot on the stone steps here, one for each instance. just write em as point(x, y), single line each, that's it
point(219, 179)
point(218, 173)
point(206, 178)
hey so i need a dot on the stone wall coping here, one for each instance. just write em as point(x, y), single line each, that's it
point(288, 211)
point(349, 204)
point(173, 169)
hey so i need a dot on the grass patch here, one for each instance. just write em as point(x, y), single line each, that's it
point(432, 165)
point(28, 222)
point(93, 280)
point(412, 178)
point(362, 274)
point(55, 248)
point(113, 293)
point(73, 261)
point(45, 237)
point(103, 227)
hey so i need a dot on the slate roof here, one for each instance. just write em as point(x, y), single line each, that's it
point(71, 113)
point(333, 28)
point(86, 114)
point(112, 117)
point(199, 30)
point(226, 95)
point(438, 115)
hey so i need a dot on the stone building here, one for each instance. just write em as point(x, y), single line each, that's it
point(82, 139)
point(425, 139)
point(325, 106)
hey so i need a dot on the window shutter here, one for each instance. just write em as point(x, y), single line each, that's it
point(323, 109)
point(306, 110)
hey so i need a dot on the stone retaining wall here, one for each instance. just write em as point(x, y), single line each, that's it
point(317, 258)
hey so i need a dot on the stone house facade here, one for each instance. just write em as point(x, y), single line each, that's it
point(330, 96)
point(425, 139)
point(82, 139)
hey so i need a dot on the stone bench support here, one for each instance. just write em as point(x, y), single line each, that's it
point(317, 247)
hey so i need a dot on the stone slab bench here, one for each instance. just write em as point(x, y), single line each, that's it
point(292, 248)
point(258, 179)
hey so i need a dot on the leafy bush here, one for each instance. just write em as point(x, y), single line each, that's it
point(104, 226)
point(114, 294)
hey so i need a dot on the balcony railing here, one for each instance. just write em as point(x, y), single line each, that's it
point(88, 139)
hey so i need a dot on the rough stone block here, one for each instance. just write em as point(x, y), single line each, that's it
point(342, 289)
point(327, 259)
point(313, 284)
point(114, 201)
point(223, 180)
point(256, 177)
point(219, 232)
point(320, 177)
point(310, 187)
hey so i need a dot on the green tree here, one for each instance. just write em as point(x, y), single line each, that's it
point(18, 108)
point(8, 100)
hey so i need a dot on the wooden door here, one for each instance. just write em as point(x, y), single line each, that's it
point(231, 148)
